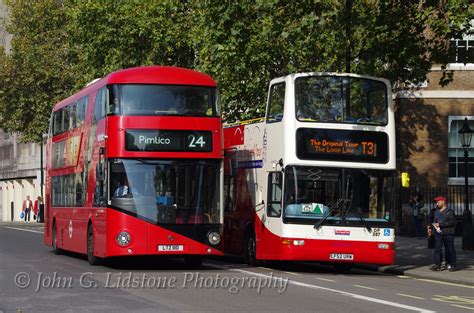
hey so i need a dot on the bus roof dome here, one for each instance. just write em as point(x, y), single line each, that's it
point(169, 75)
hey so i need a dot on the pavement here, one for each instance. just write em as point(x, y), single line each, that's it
point(413, 258)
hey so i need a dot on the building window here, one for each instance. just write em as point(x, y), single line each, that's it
point(461, 51)
point(456, 168)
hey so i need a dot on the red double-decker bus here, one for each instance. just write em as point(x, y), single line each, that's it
point(134, 167)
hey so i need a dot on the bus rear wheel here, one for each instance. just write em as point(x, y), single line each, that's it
point(250, 249)
point(91, 258)
point(56, 250)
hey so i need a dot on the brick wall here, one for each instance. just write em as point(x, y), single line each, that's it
point(422, 129)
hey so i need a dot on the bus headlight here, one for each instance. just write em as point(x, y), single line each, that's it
point(214, 238)
point(123, 238)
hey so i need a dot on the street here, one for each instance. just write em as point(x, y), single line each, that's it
point(33, 279)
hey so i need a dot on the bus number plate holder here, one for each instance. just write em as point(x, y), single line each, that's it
point(341, 256)
point(170, 247)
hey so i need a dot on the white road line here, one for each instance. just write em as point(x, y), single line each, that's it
point(325, 279)
point(410, 296)
point(445, 283)
point(365, 287)
point(23, 229)
point(349, 294)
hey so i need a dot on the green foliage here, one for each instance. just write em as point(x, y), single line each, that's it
point(59, 45)
point(38, 72)
point(111, 35)
point(245, 44)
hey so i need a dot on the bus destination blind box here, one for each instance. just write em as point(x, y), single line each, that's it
point(341, 145)
point(168, 140)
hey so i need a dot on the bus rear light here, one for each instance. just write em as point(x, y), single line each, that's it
point(384, 246)
point(286, 242)
point(123, 238)
point(214, 238)
point(298, 242)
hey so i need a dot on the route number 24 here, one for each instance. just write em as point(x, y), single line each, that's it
point(195, 141)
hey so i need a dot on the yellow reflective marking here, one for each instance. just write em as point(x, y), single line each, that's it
point(464, 307)
point(410, 296)
point(454, 299)
point(445, 283)
point(365, 287)
point(325, 279)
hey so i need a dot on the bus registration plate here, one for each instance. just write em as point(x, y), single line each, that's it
point(170, 248)
point(341, 256)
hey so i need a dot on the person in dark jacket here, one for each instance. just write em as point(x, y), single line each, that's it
point(442, 229)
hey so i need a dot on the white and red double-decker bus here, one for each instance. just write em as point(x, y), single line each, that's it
point(134, 167)
point(313, 180)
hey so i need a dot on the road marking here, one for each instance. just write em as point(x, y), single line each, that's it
point(410, 296)
point(404, 277)
point(365, 287)
point(325, 279)
point(464, 307)
point(345, 293)
point(454, 299)
point(23, 229)
point(445, 283)
point(291, 273)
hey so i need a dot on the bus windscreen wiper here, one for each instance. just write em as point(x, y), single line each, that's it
point(362, 220)
point(335, 206)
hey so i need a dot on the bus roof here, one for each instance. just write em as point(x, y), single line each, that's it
point(166, 75)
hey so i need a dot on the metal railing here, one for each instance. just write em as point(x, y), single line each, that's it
point(455, 196)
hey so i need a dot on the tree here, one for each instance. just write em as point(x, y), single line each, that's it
point(60, 45)
point(38, 72)
point(245, 44)
point(111, 35)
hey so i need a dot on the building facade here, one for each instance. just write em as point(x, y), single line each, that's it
point(429, 119)
point(19, 162)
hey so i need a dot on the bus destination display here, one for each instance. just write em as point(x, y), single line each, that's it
point(341, 145)
point(168, 140)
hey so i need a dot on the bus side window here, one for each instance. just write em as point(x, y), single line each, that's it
point(274, 197)
point(100, 102)
point(65, 122)
point(81, 111)
point(276, 103)
point(72, 116)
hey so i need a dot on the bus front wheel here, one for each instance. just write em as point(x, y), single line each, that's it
point(91, 258)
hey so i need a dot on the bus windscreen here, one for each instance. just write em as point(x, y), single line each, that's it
point(164, 100)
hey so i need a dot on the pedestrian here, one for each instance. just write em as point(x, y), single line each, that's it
point(417, 205)
point(39, 209)
point(27, 207)
point(443, 229)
